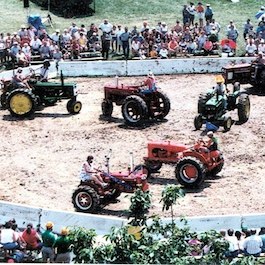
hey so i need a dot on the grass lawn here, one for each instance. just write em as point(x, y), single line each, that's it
point(134, 12)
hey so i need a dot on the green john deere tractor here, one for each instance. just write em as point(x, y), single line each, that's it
point(22, 102)
point(215, 108)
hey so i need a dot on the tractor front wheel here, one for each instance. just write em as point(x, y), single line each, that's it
point(228, 123)
point(134, 110)
point(153, 166)
point(86, 199)
point(198, 122)
point(160, 106)
point(74, 107)
point(21, 102)
point(107, 108)
point(190, 172)
point(243, 108)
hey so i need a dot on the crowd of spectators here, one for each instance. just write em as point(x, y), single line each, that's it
point(18, 245)
point(197, 34)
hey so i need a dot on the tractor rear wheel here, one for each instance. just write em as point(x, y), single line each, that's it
point(198, 122)
point(86, 199)
point(190, 172)
point(228, 123)
point(153, 166)
point(243, 108)
point(107, 108)
point(159, 106)
point(134, 110)
point(21, 102)
point(73, 106)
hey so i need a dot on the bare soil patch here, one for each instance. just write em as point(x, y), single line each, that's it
point(41, 157)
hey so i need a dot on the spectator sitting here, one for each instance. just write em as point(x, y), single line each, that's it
point(201, 40)
point(73, 29)
point(45, 51)
point(183, 46)
point(261, 46)
point(83, 42)
point(66, 39)
point(14, 50)
point(253, 244)
point(75, 49)
point(262, 235)
point(56, 37)
point(135, 47)
point(233, 250)
point(94, 43)
point(22, 60)
point(153, 53)
point(163, 53)
point(191, 47)
point(178, 28)
point(251, 49)
point(31, 238)
point(35, 45)
point(27, 51)
point(173, 48)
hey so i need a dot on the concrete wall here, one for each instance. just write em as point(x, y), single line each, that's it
point(141, 67)
point(102, 224)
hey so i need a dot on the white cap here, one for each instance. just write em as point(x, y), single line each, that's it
point(210, 133)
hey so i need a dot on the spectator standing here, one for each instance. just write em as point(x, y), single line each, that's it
point(185, 15)
point(208, 13)
point(106, 26)
point(62, 247)
point(48, 238)
point(200, 13)
point(118, 34)
point(247, 26)
point(232, 33)
point(105, 45)
point(192, 11)
point(124, 37)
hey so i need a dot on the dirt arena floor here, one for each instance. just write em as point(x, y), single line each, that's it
point(41, 157)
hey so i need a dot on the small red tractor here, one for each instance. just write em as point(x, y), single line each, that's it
point(138, 104)
point(191, 163)
point(89, 197)
point(245, 73)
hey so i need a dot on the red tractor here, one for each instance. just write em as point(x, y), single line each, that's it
point(138, 103)
point(192, 163)
point(88, 197)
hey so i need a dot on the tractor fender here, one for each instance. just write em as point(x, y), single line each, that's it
point(196, 155)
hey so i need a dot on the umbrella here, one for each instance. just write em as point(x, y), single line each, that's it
point(259, 14)
point(229, 43)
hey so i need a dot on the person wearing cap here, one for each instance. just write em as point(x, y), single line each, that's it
point(212, 142)
point(208, 13)
point(88, 173)
point(31, 238)
point(13, 52)
point(19, 80)
point(56, 37)
point(62, 247)
point(48, 238)
point(149, 83)
point(220, 89)
point(22, 32)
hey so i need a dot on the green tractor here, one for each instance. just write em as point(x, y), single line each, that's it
point(22, 102)
point(214, 108)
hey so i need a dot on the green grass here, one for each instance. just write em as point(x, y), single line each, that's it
point(134, 12)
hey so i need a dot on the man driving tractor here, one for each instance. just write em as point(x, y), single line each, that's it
point(150, 82)
point(220, 89)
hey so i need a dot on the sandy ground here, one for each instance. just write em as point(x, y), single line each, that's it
point(41, 157)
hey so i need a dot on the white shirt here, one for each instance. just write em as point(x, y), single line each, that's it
point(86, 171)
point(7, 235)
point(253, 244)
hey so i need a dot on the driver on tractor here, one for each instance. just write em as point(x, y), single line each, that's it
point(220, 89)
point(44, 70)
point(150, 83)
point(88, 173)
point(19, 80)
point(210, 145)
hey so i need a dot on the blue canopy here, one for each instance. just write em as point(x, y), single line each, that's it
point(35, 21)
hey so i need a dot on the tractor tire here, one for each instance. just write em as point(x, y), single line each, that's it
point(198, 122)
point(134, 110)
point(74, 107)
point(21, 102)
point(107, 108)
point(243, 108)
point(216, 170)
point(114, 195)
point(144, 168)
point(160, 107)
point(3, 100)
point(190, 172)
point(203, 98)
point(228, 123)
point(262, 78)
point(153, 166)
point(85, 199)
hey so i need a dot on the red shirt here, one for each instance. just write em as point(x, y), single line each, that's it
point(31, 239)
